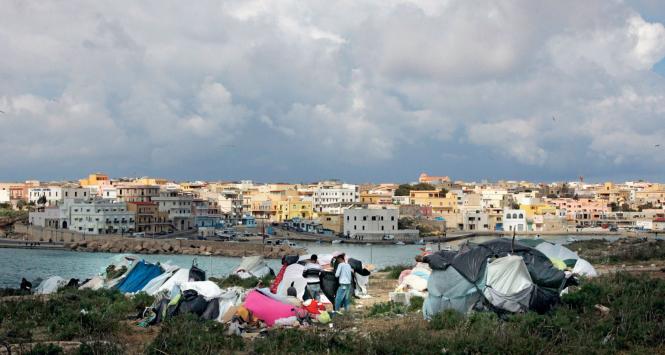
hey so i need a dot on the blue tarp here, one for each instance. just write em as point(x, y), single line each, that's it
point(139, 276)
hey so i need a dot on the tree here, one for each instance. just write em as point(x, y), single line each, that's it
point(41, 200)
point(403, 190)
point(21, 204)
point(422, 186)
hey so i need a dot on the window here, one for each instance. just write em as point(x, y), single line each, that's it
point(355, 227)
point(392, 218)
point(363, 227)
point(373, 218)
point(381, 227)
point(364, 218)
point(521, 215)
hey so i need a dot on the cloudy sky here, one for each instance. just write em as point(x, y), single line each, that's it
point(375, 90)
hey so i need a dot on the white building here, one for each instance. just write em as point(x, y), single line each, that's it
point(333, 199)
point(514, 220)
point(100, 217)
point(179, 207)
point(108, 192)
point(475, 220)
point(51, 217)
point(53, 194)
point(374, 223)
point(75, 193)
point(4, 195)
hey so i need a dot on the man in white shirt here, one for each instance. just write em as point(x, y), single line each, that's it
point(344, 274)
point(312, 276)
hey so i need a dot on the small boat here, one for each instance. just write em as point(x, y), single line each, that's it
point(420, 242)
point(571, 239)
point(337, 241)
point(400, 243)
point(368, 243)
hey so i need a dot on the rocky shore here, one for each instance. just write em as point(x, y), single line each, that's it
point(186, 247)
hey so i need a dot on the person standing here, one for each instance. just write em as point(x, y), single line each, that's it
point(344, 275)
point(312, 275)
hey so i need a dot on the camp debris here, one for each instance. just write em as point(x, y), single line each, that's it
point(500, 275)
point(176, 290)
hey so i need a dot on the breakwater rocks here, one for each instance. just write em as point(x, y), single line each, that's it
point(186, 247)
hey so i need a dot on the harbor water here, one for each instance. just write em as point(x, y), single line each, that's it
point(35, 264)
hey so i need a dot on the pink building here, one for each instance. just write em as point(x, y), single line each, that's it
point(583, 211)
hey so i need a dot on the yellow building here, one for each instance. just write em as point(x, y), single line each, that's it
point(150, 181)
point(441, 203)
point(375, 198)
point(292, 208)
point(538, 210)
point(95, 179)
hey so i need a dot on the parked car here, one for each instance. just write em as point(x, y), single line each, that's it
point(388, 237)
point(614, 229)
point(138, 234)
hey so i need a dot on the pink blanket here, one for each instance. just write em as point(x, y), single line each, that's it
point(267, 309)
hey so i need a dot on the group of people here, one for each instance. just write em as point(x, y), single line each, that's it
point(343, 273)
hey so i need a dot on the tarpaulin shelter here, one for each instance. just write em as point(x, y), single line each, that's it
point(293, 276)
point(139, 276)
point(471, 265)
point(153, 285)
point(266, 308)
point(508, 285)
point(50, 285)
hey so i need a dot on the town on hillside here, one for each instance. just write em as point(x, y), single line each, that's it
point(430, 206)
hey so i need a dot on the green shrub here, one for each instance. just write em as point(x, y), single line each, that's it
point(45, 349)
point(187, 334)
point(416, 304)
point(235, 280)
point(298, 341)
point(112, 272)
point(447, 319)
point(386, 308)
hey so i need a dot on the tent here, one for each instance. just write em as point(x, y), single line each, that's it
point(207, 289)
point(139, 276)
point(252, 266)
point(153, 285)
point(94, 283)
point(266, 308)
point(293, 275)
point(470, 265)
point(448, 289)
point(565, 258)
point(178, 277)
point(508, 286)
point(50, 285)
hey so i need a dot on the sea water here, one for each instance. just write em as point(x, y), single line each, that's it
point(34, 264)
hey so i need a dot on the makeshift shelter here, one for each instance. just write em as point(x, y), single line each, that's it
point(267, 309)
point(448, 289)
point(138, 277)
point(252, 266)
point(178, 277)
point(563, 258)
point(50, 285)
point(94, 283)
point(471, 265)
point(207, 289)
point(293, 276)
point(508, 285)
point(153, 285)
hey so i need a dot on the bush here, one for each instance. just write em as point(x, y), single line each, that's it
point(45, 349)
point(395, 270)
point(187, 334)
point(386, 308)
point(447, 319)
point(112, 272)
point(235, 280)
point(416, 304)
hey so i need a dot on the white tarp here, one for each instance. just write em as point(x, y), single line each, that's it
point(556, 251)
point(252, 266)
point(230, 297)
point(178, 278)
point(417, 278)
point(509, 284)
point(361, 286)
point(207, 289)
point(293, 274)
point(50, 285)
point(153, 286)
point(94, 283)
point(584, 268)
